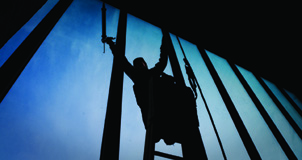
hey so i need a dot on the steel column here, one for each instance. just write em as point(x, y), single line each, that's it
point(112, 127)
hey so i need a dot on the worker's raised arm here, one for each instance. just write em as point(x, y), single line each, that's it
point(127, 67)
point(163, 60)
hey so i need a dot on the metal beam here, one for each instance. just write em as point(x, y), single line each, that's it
point(165, 155)
point(291, 101)
point(173, 60)
point(286, 148)
point(246, 139)
point(13, 67)
point(192, 145)
point(15, 15)
point(281, 107)
point(192, 75)
point(111, 133)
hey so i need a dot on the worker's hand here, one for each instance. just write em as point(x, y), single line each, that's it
point(111, 44)
point(164, 46)
point(108, 40)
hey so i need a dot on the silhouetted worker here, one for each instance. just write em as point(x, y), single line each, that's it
point(175, 117)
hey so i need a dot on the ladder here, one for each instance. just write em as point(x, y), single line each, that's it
point(192, 149)
point(150, 152)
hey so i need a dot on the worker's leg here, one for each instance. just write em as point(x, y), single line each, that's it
point(192, 145)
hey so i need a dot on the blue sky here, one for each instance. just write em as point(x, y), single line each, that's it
point(56, 108)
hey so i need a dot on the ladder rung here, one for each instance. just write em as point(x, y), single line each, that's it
point(165, 155)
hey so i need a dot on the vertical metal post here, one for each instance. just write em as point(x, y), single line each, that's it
point(111, 132)
point(149, 142)
point(246, 139)
point(173, 60)
point(287, 150)
point(192, 146)
point(281, 107)
point(206, 105)
point(13, 67)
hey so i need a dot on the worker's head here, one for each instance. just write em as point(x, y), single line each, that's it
point(140, 63)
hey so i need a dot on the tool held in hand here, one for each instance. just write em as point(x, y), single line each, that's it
point(104, 35)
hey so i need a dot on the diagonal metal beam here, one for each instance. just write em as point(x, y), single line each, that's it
point(286, 148)
point(246, 139)
point(13, 67)
point(280, 107)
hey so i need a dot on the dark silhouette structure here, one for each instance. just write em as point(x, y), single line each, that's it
point(13, 67)
point(14, 14)
point(229, 35)
point(111, 133)
point(169, 108)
